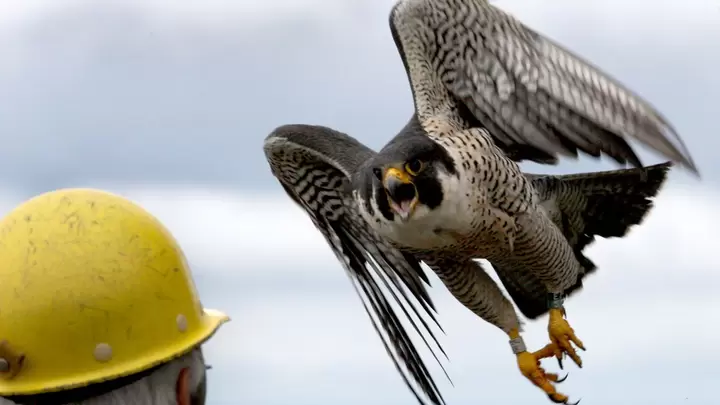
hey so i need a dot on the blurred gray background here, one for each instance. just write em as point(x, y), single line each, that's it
point(168, 103)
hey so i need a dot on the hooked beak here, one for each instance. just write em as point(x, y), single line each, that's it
point(401, 192)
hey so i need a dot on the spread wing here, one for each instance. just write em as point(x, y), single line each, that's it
point(471, 63)
point(314, 164)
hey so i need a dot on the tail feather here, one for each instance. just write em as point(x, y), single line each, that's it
point(616, 200)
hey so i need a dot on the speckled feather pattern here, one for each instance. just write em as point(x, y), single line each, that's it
point(537, 99)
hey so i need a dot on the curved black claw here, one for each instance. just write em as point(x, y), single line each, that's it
point(560, 360)
point(565, 402)
point(562, 379)
point(557, 401)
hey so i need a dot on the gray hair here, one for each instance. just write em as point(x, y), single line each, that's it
point(157, 388)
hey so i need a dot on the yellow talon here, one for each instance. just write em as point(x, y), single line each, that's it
point(561, 334)
point(529, 364)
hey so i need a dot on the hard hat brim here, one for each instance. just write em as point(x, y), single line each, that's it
point(211, 321)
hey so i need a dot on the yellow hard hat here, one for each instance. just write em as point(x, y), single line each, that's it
point(92, 288)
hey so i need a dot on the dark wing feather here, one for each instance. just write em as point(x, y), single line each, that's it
point(474, 64)
point(584, 206)
point(314, 165)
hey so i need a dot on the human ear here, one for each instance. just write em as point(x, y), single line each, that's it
point(182, 387)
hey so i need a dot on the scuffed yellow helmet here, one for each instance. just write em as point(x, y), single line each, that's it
point(92, 288)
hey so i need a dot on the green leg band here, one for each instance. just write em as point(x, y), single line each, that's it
point(555, 300)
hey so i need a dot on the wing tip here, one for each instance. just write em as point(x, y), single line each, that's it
point(286, 130)
point(689, 164)
point(272, 141)
point(280, 136)
point(679, 152)
point(316, 139)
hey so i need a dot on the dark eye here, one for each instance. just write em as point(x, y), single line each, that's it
point(414, 166)
point(378, 173)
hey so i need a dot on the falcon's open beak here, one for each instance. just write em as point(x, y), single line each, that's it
point(401, 192)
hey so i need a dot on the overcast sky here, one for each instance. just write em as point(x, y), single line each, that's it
point(168, 103)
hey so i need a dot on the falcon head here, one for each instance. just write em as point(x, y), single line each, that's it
point(409, 177)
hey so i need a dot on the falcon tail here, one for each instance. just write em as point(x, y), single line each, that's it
point(603, 204)
point(618, 199)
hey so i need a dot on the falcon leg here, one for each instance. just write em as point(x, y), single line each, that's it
point(561, 334)
point(473, 287)
point(529, 364)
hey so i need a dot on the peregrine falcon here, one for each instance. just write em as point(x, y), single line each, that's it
point(488, 92)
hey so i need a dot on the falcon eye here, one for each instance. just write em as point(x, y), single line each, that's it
point(414, 166)
point(377, 172)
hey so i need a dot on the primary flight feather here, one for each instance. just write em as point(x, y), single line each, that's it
point(488, 93)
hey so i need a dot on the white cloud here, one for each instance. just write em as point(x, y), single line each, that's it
point(614, 15)
point(248, 229)
point(646, 316)
point(662, 16)
point(208, 13)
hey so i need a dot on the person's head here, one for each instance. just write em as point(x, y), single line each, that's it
point(98, 306)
